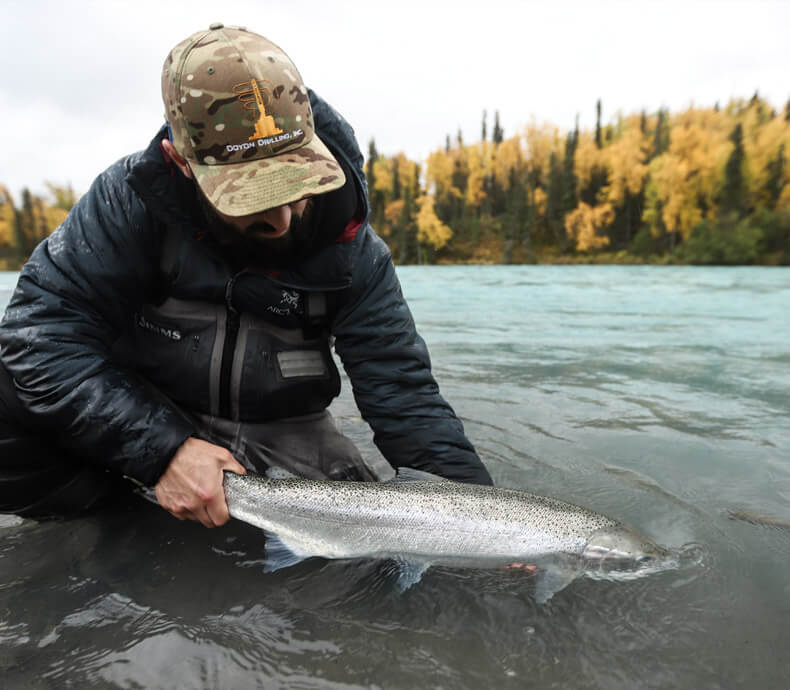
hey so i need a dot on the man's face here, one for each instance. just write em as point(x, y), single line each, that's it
point(274, 237)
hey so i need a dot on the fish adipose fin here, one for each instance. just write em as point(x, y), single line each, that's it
point(408, 573)
point(551, 580)
point(279, 555)
point(408, 474)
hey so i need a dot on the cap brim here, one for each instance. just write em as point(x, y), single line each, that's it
point(241, 189)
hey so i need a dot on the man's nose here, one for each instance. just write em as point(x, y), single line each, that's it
point(279, 217)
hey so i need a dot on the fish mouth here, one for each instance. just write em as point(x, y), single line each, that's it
point(619, 566)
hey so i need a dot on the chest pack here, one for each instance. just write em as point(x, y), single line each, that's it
point(238, 346)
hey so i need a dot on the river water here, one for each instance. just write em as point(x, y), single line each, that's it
point(659, 396)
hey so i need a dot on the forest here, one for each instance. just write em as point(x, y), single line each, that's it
point(701, 186)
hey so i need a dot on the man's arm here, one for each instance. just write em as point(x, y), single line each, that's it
point(390, 372)
point(75, 294)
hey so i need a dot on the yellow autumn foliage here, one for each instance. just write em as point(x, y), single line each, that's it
point(408, 171)
point(6, 218)
point(439, 174)
point(430, 229)
point(588, 158)
point(687, 177)
point(540, 199)
point(382, 170)
point(585, 222)
point(762, 145)
point(625, 160)
point(393, 211)
point(508, 156)
point(477, 174)
point(541, 142)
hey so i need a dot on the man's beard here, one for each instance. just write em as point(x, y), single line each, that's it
point(249, 248)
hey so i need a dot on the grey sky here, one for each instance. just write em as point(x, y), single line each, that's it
point(80, 86)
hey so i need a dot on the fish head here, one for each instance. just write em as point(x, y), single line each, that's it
point(618, 551)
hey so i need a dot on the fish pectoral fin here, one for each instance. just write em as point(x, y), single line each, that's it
point(551, 580)
point(279, 555)
point(409, 474)
point(409, 573)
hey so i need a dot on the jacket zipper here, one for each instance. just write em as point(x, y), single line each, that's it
point(228, 350)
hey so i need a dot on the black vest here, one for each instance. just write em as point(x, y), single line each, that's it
point(244, 347)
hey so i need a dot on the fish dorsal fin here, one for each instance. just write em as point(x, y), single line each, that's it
point(279, 555)
point(409, 474)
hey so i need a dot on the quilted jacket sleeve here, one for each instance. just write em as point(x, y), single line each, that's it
point(390, 371)
point(74, 295)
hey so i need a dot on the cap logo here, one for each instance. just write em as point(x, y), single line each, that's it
point(255, 95)
point(251, 96)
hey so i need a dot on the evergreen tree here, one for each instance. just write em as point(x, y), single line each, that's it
point(499, 134)
point(556, 197)
point(41, 227)
point(396, 187)
point(484, 132)
point(733, 197)
point(569, 183)
point(19, 235)
point(369, 173)
point(660, 142)
point(643, 122)
point(447, 146)
point(598, 140)
point(774, 183)
point(27, 227)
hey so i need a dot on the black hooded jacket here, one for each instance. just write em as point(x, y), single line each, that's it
point(118, 313)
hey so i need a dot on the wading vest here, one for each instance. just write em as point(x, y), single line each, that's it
point(240, 346)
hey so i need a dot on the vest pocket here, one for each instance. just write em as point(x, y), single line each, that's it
point(177, 346)
point(280, 372)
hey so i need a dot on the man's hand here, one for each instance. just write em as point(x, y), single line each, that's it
point(191, 487)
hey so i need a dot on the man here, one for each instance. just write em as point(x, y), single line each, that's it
point(179, 322)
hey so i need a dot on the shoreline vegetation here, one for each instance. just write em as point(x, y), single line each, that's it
point(706, 186)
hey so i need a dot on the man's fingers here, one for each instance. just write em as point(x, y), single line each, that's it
point(233, 465)
point(191, 486)
point(205, 518)
point(218, 511)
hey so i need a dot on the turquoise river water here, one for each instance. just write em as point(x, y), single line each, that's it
point(659, 396)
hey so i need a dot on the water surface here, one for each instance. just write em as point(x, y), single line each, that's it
point(659, 396)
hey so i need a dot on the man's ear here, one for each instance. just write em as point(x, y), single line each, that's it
point(176, 157)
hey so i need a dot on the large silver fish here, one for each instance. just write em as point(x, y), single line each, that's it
point(420, 520)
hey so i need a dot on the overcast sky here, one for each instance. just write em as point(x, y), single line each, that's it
point(80, 83)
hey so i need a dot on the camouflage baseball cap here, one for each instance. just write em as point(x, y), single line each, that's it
point(240, 114)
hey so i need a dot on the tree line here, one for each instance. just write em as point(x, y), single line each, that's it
point(22, 227)
point(702, 186)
